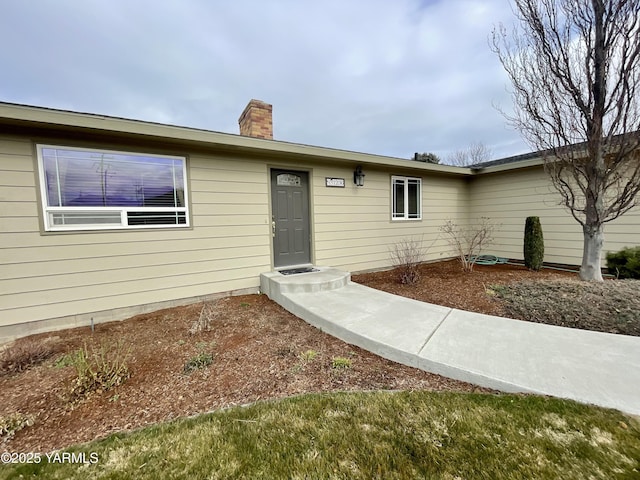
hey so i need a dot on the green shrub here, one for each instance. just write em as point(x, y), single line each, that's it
point(533, 244)
point(66, 360)
point(23, 354)
point(340, 363)
point(202, 360)
point(625, 263)
point(10, 424)
point(100, 369)
point(308, 356)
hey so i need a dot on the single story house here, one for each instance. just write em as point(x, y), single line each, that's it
point(102, 218)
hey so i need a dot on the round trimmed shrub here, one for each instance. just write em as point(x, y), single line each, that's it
point(533, 244)
point(625, 263)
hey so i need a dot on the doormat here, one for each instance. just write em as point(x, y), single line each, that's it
point(294, 271)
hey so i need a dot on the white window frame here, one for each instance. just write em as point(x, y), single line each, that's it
point(50, 211)
point(402, 217)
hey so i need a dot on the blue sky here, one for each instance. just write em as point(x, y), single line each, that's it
point(373, 76)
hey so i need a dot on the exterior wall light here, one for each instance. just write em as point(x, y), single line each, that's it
point(358, 177)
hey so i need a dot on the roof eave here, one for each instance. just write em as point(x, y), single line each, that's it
point(534, 162)
point(46, 117)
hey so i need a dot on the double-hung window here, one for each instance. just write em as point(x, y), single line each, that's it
point(86, 189)
point(406, 202)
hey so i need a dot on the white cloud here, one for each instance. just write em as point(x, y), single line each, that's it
point(374, 76)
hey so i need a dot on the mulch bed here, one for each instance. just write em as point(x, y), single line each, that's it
point(258, 353)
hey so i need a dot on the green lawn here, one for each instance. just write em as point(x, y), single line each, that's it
point(371, 435)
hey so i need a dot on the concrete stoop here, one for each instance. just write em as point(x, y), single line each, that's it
point(494, 352)
point(274, 284)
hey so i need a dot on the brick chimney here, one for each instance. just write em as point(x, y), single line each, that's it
point(256, 120)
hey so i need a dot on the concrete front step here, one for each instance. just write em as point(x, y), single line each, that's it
point(274, 284)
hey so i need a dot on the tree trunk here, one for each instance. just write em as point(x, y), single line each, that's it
point(590, 270)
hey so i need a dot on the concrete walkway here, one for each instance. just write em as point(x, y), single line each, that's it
point(495, 352)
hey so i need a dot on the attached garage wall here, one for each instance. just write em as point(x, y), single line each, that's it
point(510, 197)
point(114, 274)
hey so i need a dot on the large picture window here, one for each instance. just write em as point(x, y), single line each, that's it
point(85, 189)
point(406, 201)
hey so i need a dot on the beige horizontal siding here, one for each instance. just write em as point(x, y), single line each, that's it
point(18, 201)
point(13, 148)
point(50, 275)
point(67, 263)
point(508, 198)
point(127, 236)
point(353, 226)
point(15, 193)
point(19, 225)
point(206, 238)
point(19, 178)
point(11, 209)
point(123, 296)
point(67, 287)
point(59, 274)
point(76, 272)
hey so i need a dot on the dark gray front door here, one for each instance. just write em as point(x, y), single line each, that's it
point(290, 209)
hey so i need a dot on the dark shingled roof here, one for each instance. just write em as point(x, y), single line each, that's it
point(541, 153)
point(504, 161)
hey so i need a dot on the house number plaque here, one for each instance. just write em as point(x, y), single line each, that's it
point(334, 182)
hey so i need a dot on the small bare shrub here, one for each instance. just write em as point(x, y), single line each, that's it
point(406, 256)
point(468, 241)
point(25, 353)
point(10, 424)
point(204, 323)
point(284, 351)
point(100, 369)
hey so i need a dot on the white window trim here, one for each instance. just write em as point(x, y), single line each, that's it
point(405, 217)
point(122, 211)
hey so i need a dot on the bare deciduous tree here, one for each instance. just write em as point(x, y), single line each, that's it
point(575, 70)
point(477, 152)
